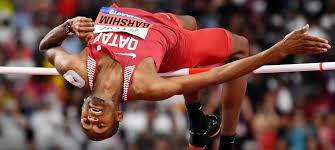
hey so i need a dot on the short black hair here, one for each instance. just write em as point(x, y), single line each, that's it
point(104, 136)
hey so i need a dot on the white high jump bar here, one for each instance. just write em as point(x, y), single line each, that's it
point(186, 71)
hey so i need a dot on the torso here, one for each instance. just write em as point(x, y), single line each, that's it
point(144, 52)
point(110, 75)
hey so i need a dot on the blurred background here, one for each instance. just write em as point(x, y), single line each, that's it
point(292, 111)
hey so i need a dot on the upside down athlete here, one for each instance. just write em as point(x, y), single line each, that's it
point(129, 47)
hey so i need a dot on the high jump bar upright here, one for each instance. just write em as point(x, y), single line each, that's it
point(186, 71)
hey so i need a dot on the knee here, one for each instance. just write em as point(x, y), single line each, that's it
point(188, 22)
point(192, 22)
point(241, 48)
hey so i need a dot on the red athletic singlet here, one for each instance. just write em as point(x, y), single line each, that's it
point(129, 35)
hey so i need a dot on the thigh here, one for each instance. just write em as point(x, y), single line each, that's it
point(169, 17)
point(209, 46)
point(187, 22)
point(184, 21)
point(239, 47)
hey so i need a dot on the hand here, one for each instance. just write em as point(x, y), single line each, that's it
point(299, 42)
point(82, 27)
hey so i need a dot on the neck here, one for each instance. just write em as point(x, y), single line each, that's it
point(108, 82)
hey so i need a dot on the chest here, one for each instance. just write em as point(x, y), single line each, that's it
point(130, 84)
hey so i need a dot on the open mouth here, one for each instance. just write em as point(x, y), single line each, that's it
point(95, 109)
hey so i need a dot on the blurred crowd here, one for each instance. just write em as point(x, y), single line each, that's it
point(291, 111)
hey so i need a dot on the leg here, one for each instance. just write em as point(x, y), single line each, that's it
point(202, 127)
point(188, 22)
point(204, 50)
point(183, 21)
point(233, 94)
point(197, 119)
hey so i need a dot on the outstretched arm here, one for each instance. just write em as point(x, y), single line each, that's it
point(297, 42)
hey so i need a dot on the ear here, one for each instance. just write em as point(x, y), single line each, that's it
point(119, 116)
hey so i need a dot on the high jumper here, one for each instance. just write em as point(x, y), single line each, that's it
point(127, 49)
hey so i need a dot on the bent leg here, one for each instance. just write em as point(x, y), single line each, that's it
point(187, 22)
point(184, 21)
point(203, 127)
point(197, 119)
point(213, 46)
point(233, 94)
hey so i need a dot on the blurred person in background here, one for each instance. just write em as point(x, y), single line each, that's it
point(301, 132)
point(326, 132)
point(21, 57)
point(47, 123)
point(313, 143)
point(266, 123)
point(12, 123)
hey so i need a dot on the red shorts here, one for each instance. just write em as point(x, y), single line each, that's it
point(208, 46)
point(169, 17)
point(202, 47)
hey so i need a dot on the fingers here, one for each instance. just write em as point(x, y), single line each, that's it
point(82, 25)
point(84, 19)
point(85, 29)
point(314, 38)
point(313, 50)
point(86, 24)
point(299, 42)
point(314, 45)
point(298, 32)
point(82, 22)
point(311, 47)
point(317, 44)
point(303, 30)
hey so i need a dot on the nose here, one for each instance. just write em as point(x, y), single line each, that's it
point(92, 119)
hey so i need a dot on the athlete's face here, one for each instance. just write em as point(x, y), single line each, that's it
point(99, 118)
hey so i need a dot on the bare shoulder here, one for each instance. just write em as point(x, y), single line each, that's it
point(71, 64)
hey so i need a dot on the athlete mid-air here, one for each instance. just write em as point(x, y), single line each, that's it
point(129, 47)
